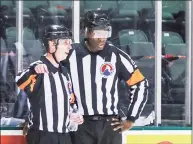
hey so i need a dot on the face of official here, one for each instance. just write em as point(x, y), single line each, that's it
point(95, 44)
point(63, 48)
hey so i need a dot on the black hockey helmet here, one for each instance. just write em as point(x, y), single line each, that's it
point(97, 20)
point(55, 32)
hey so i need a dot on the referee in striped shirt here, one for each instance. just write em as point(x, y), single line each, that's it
point(96, 67)
point(50, 94)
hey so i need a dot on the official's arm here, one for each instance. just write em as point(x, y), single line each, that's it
point(137, 83)
point(26, 79)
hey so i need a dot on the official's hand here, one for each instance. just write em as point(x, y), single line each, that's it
point(76, 118)
point(121, 124)
point(41, 68)
point(25, 128)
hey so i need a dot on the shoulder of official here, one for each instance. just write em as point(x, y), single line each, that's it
point(115, 48)
point(75, 46)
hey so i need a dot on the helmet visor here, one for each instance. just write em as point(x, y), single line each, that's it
point(100, 33)
point(63, 41)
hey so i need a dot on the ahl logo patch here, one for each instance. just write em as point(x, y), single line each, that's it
point(106, 70)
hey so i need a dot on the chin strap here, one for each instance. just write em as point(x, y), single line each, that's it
point(53, 54)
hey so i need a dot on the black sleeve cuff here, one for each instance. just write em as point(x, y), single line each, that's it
point(131, 118)
point(32, 69)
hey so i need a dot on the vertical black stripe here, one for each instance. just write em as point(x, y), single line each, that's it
point(43, 109)
point(135, 97)
point(81, 85)
point(44, 118)
point(35, 112)
point(54, 102)
point(145, 94)
point(104, 81)
point(112, 94)
point(66, 102)
point(93, 83)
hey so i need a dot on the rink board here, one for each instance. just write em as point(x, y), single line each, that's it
point(151, 135)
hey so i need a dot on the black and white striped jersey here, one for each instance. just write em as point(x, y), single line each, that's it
point(95, 79)
point(50, 96)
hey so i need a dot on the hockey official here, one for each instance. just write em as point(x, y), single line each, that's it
point(50, 94)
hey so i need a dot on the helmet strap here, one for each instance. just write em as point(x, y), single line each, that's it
point(53, 54)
